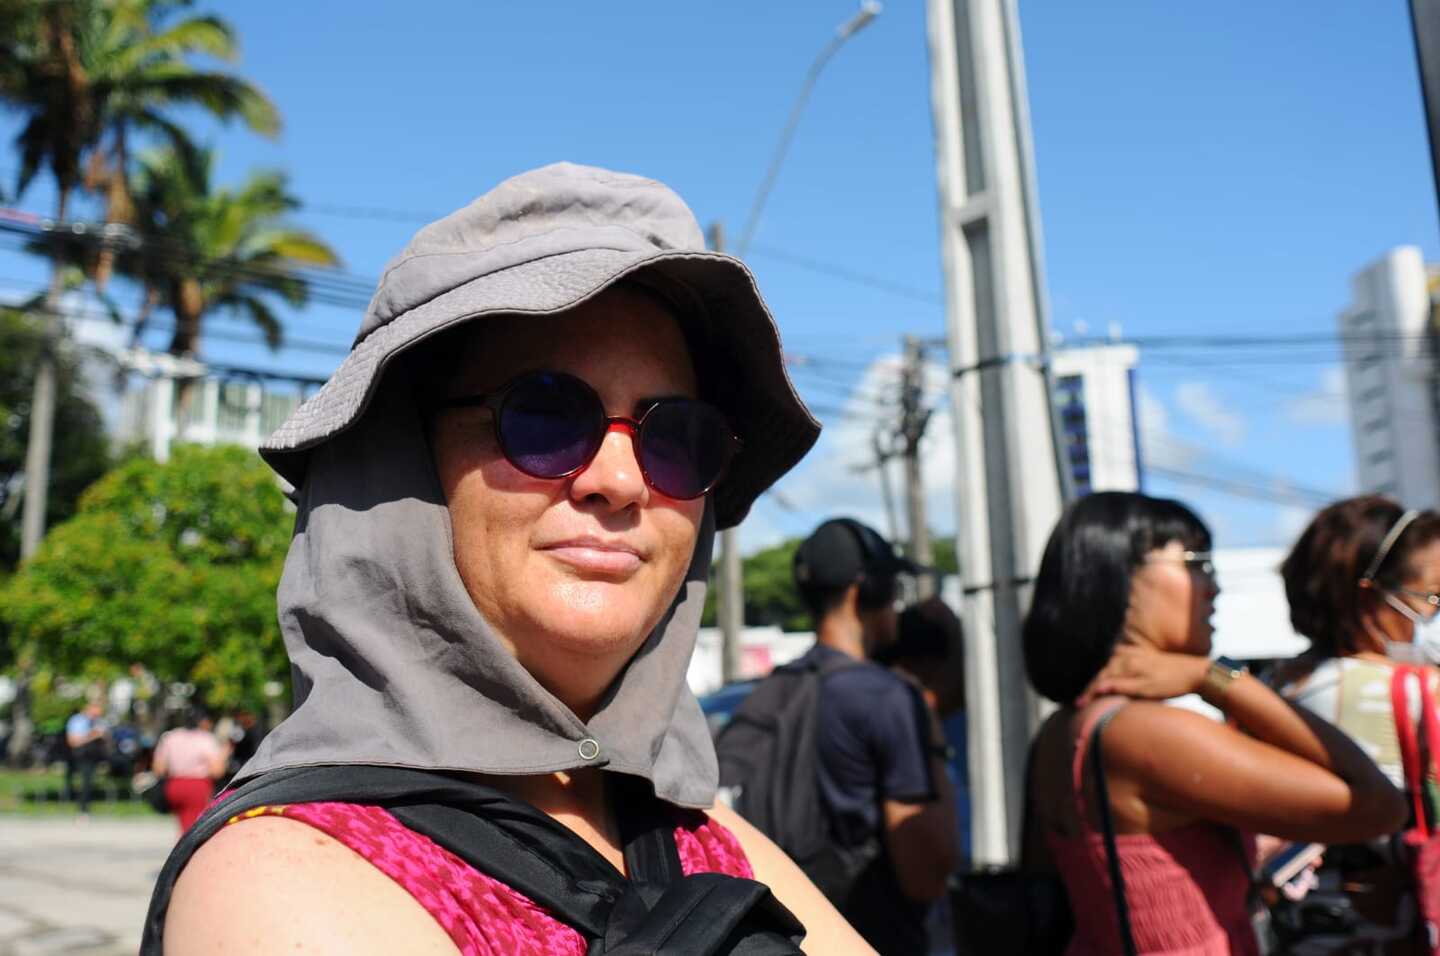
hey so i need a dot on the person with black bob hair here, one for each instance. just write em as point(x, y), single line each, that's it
point(1120, 623)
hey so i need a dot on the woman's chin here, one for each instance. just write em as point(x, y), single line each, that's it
point(593, 618)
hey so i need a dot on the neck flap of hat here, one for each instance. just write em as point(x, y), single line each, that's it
point(394, 665)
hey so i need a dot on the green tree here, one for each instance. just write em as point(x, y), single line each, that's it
point(209, 249)
point(172, 566)
point(770, 595)
point(80, 453)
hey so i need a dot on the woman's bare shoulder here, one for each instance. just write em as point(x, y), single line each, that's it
point(826, 931)
point(270, 883)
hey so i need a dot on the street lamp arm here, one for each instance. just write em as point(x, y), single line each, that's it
point(869, 10)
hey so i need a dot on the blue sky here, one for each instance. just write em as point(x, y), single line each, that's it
point(1218, 168)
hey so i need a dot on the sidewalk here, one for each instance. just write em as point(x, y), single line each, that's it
point(77, 889)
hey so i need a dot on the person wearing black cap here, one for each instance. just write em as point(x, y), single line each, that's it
point(880, 748)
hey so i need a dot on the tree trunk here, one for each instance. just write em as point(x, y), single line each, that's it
point(188, 303)
point(37, 468)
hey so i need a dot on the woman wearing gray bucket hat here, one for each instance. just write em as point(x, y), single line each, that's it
point(507, 496)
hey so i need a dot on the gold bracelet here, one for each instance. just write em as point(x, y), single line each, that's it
point(1218, 678)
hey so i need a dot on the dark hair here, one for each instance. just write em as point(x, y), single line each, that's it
point(1323, 570)
point(875, 592)
point(930, 644)
point(196, 715)
point(820, 601)
point(1083, 588)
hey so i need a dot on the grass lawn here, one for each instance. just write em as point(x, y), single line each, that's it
point(41, 792)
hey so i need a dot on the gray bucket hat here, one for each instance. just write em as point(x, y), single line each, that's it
point(541, 243)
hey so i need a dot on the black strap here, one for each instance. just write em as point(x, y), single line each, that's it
point(1107, 823)
point(534, 854)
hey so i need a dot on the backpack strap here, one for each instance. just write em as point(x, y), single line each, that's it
point(1107, 823)
point(529, 851)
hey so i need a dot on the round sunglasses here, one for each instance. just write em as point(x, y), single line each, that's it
point(551, 425)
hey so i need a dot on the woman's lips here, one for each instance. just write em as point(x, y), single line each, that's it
point(595, 559)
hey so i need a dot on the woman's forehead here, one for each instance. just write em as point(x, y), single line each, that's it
point(618, 337)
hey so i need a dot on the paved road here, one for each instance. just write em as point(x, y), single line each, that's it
point(77, 889)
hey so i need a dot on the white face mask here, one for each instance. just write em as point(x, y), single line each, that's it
point(1427, 630)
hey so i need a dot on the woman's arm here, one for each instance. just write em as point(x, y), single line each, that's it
point(219, 759)
point(159, 760)
point(825, 929)
point(1289, 773)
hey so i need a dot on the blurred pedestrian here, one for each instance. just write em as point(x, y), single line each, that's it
point(929, 649)
point(854, 786)
point(507, 500)
point(86, 736)
point(190, 759)
point(1119, 623)
point(1363, 582)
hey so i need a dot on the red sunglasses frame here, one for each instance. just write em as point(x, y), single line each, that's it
point(495, 402)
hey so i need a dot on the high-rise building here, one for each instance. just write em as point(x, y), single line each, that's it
point(1387, 340)
point(1095, 400)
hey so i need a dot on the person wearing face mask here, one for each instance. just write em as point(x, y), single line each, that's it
point(1363, 583)
point(1119, 623)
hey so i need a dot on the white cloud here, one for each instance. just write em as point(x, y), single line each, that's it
point(1326, 405)
point(1200, 403)
point(1157, 447)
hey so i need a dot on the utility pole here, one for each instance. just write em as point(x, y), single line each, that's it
point(883, 454)
point(42, 425)
point(730, 602)
point(913, 419)
point(1009, 487)
point(1425, 26)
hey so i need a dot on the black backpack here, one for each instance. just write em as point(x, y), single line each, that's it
point(658, 910)
point(769, 767)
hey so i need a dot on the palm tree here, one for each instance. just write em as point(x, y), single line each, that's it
point(88, 73)
point(205, 249)
point(79, 71)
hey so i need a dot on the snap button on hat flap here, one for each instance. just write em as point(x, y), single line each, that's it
point(589, 748)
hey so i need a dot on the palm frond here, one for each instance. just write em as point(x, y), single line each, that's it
point(296, 246)
point(224, 96)
point(208, 35)
point(194, 160)
point(255, 309)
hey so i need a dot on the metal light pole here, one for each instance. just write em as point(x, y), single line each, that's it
point(869, 10)
point(1009, 480)
point(731, 603)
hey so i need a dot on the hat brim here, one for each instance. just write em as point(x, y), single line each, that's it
point(775, 427)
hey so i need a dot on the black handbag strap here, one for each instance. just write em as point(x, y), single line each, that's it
point(1107, 823)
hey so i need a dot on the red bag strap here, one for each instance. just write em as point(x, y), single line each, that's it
point(1409, 745)
point(1431, 723)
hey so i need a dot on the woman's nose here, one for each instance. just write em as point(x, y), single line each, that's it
point(614, 476)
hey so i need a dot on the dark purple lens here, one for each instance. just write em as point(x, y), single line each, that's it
point(685, 447)
point(551, 425)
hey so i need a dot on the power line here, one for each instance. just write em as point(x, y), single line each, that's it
point(847, 274)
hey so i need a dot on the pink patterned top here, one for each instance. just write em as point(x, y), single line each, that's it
point(1187, 889)
point(484, 916)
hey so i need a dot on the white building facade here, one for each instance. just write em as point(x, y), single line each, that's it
point(1095, 400)
point(218, 411)
point(1388, 342)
